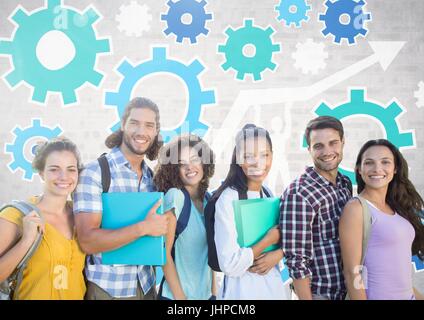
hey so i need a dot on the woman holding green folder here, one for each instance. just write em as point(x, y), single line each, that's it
point(185, 166)
point(249, 273)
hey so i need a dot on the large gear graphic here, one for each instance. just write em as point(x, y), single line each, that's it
point(310, 56)
point(134, 19)
point(349, 29)
point(253, 36)
point(20, 144)
point(160, 64)
point(419, 94)
point(77, 27)
point(293, 12)
point(387, 116)
point(198, 19)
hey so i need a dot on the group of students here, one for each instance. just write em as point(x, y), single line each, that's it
point(320, 234)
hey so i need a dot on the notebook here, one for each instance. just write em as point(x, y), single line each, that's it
point(124, 209)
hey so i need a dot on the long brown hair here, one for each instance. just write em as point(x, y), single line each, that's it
point(401, 194)
point(115, 138)
point(167, 171)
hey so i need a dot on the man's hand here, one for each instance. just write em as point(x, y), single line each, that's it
point(154, 224)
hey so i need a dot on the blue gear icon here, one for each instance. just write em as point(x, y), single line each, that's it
point(249, 35)
point(286, 13)
point(159, 64)
point(23, 137)
point(23, 50)
point(345, 30)
point(181, 30)
point(387, 116)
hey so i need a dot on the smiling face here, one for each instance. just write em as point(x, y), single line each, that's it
point(140, 130)
point(257, 159)
point(60, 173)
point(377, 167)
point(326, 150)
point(190, 167)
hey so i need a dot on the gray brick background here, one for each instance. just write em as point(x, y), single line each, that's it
point(87, 122)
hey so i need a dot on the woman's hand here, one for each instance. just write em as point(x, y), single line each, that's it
point(32, 225)
point(266, 261)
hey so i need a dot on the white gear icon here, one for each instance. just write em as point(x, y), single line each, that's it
point(134, 19)
point(419, 94)
point(310, 56)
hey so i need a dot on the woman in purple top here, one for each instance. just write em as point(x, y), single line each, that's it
point(396, 228)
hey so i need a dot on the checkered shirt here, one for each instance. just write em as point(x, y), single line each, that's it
point(310, 211)
point(118, 280)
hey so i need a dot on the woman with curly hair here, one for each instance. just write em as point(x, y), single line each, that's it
point(396, 230)
point(185, 166)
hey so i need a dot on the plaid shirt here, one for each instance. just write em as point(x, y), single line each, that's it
point(310, 211)
point(118, 280)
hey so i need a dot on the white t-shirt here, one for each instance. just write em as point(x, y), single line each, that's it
point(234, 261)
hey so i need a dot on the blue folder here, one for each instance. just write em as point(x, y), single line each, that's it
point(124, 209)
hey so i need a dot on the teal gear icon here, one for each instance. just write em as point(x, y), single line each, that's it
point(23, 138)
point(23, 47)
point(249, 35)
point(160, 64)
point(387, 116)
point(285, 12)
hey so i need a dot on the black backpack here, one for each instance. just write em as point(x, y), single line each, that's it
point(105, 169)
point(210, 227)
point(182, 222)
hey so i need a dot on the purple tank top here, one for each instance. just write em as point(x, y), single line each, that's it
point(388, 257)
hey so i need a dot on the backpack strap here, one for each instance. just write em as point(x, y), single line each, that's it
point(208, 196)
point(366, 231)
point(267, 194)
point(366, 227)
point(184, 215)
point(105, 170)
point(182, 222)
point(15, 279)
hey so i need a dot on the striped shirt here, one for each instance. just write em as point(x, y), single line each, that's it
point(310, 211)
point(118, 280)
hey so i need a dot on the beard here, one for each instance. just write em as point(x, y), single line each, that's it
point(127, 141)
point(322, 167)
point(328, 167)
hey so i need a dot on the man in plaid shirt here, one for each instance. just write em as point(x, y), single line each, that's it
point(310, 211)
point(138, 137)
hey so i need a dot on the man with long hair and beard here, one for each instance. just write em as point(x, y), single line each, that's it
point(310, 211)
point(137, 138)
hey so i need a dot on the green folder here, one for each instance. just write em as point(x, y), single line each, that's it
point(254, 217)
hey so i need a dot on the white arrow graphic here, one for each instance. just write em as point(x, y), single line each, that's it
point(384, 53)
